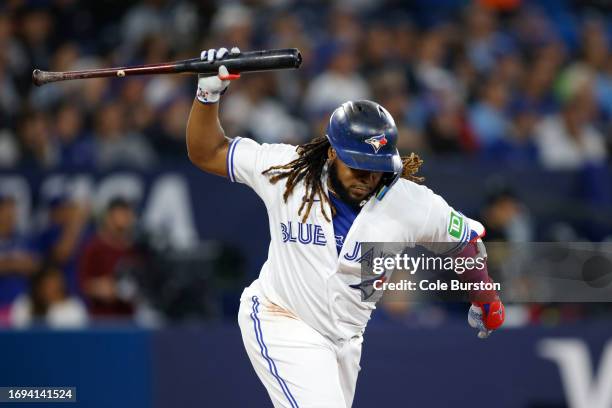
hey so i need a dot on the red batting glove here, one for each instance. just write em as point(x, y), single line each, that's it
point(486, 317)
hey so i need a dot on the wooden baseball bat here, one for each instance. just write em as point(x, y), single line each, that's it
point(251, 61)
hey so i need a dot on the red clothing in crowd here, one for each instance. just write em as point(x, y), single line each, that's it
point(100, 259)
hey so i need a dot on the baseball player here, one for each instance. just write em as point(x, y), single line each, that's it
point(302, 320)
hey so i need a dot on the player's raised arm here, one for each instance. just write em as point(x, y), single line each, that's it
point(207, 145)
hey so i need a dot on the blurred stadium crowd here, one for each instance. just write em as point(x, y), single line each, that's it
point(520, 83)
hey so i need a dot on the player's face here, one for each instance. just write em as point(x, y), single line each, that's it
point(352, 185)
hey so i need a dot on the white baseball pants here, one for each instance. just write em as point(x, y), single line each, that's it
point(298, 366)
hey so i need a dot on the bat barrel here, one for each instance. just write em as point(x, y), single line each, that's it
point(254, 61)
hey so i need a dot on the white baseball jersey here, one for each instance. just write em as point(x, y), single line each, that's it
point(304, 273)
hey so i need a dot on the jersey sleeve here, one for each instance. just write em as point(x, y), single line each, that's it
point(448, 231)
point(247, 159)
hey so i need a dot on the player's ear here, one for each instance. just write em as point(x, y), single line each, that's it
point(331, 153)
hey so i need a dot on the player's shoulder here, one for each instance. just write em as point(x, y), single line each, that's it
point(440, 213)
point(268, 149)
point(418, 193)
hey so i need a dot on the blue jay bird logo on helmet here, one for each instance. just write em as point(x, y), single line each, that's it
point(377, 142)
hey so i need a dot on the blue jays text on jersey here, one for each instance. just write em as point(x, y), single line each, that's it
point(304, 233)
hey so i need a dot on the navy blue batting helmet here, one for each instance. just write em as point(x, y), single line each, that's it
point(364, 136)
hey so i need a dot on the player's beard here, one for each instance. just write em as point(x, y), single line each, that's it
point(342, 192)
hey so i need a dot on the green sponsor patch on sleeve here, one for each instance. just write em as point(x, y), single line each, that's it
point(455, 225)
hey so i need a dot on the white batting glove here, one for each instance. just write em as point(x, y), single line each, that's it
point(486, 317)
point(210, 88)
point(475, 321)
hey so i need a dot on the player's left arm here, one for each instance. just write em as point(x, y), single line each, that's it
point(487, 312)
point(464, 238)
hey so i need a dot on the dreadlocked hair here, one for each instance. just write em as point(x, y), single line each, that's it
point(309, 165)
point(410, 167)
